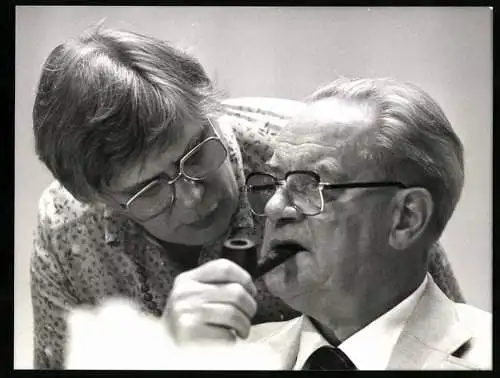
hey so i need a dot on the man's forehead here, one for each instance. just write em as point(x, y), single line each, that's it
point(306, 157)
point(326, 123)
point(317, 137)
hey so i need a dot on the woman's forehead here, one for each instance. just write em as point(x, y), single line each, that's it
point(157, 162)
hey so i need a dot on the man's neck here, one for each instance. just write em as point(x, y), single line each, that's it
point(363, 309)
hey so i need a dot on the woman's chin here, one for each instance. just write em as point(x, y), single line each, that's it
point(193, 236)
point(199, 232)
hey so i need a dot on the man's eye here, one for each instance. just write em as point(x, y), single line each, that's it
point(330, 195)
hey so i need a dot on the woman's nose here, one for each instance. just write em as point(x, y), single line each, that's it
point(189, 193)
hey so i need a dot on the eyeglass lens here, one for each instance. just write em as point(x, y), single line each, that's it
point(302, 189)
point(205, 159)
point(154, 200)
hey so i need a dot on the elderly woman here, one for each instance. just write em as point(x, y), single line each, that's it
point(149, 169)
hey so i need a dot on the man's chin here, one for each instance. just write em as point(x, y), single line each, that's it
point(288, 292)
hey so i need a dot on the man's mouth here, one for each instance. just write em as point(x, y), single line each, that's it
point(291, 245)
point(284, 249)
point(279, 252)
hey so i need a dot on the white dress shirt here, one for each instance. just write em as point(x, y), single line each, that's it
point(370, 348)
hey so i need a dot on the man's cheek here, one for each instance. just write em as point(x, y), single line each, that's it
point(321, 230)
point(268, 234)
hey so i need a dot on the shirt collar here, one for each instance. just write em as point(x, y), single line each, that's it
point(371, 347)
point(310, 340)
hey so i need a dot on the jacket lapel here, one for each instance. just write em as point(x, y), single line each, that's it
point(432, 333)
point(282, 337)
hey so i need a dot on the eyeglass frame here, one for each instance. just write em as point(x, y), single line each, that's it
point(163, 176)
point(321, 187)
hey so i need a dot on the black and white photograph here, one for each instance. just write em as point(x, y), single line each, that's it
point(253, 188)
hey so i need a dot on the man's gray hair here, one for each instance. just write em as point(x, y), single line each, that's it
point(411, 140)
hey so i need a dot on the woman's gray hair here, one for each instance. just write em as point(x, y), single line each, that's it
point(110, 98)
point(411, 140)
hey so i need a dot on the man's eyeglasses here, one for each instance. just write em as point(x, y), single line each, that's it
point(304, 190)
point(196, 165)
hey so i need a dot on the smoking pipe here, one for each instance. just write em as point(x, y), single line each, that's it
point(243, 252)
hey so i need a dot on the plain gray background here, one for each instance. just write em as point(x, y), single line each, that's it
point(288, 52)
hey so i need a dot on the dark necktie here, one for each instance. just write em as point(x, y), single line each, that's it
point(328, 358)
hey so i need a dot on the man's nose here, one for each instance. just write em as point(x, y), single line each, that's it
point(280, 209)
point(189, 193)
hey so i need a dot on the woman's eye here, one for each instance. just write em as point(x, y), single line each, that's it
point(196, 158)
point(193, 144)
point(197, 141)
point(152, 190)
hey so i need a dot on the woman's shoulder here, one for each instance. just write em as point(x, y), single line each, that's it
point(64, 220)
point(264, 107)
point(255, 122)
point(253, 116)
point(57, 202)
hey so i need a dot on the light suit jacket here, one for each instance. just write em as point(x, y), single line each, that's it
point(439, 334)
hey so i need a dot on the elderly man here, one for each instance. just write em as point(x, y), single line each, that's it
point(363, 181)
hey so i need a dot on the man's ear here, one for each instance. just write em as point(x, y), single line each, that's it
point(411, 213)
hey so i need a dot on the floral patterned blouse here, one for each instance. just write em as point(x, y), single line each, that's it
point(85, 253)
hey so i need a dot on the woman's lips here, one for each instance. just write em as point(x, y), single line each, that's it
point(206, 220)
